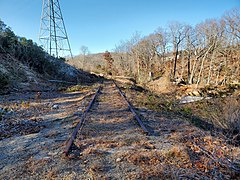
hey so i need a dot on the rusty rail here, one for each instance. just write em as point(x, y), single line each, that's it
point(133, 111)
point(80, 124)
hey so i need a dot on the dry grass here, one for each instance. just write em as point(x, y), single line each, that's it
point(51, 134)
point(52, 174)
point(213, 157)
point(97, 146)
point(33, 165)
point(195, 154)
point(97, 170)
point(222, 113)
point(145, 157)
point(93, 151)
point(155, 164)
point(162, 85)
point(231, 112)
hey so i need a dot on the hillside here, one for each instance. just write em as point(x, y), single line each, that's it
point(206, 54)
point(26, 66)
point(17, 76)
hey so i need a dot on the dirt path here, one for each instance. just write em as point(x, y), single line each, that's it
point(109, 116)
point(110, 130)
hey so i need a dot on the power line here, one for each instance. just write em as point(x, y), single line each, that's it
point(53, 35)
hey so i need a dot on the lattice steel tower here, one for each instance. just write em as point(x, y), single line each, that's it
point(53, 35)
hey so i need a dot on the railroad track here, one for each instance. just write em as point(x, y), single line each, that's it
point(114, 87)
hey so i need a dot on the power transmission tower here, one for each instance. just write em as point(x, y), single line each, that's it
point(53, 35)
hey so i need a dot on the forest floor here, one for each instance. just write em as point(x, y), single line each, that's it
point(34, 130)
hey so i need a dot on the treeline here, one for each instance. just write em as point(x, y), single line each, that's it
point(208, 53)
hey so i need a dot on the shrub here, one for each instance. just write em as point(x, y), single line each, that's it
point(74, 88)
point(232, 117)
point(4, 81)
point(62, 59)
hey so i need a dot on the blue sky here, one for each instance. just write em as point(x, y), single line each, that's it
point(101, 24)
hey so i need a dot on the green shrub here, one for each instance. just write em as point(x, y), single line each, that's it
point(184, 110)
point(156, 103)
point(74, 88)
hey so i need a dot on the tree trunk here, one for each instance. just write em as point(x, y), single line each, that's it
point(175, 63)
point(210, 68)
point(202, 65)
point(189, 67)
point(193, 71)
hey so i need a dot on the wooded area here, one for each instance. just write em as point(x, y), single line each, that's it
point(208, 53)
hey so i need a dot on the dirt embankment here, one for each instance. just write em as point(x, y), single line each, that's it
point(16, 76)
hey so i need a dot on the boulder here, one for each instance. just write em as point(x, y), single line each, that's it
point(190, 99)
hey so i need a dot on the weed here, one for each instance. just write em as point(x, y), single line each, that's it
point(95, 170)
point(233, 86)
point(176, 152)
point(184, 110)
point(152, 102)
point(130, 141)
point(74, 88)
point(231, 121)
point(25, 104)
point(143, 158)
point(156, 103)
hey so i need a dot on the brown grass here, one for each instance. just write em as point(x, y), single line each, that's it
point(32, 166)
point(142, 158)
point(52, 174)
point(96, 171)
point(231, 112)
point(156, 164)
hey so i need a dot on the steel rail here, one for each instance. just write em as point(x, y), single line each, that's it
point(80, 124)
point(133, 111)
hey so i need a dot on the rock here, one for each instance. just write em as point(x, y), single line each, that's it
point(55, 106)
point(85, 162)
point(53, 153)
point(6, 111)
point(189, 99)
point(10, 112)
point(118, 160)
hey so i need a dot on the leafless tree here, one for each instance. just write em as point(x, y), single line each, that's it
point(232, 19)
point(178, 33)
point(208, 53)
point(84, 51)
